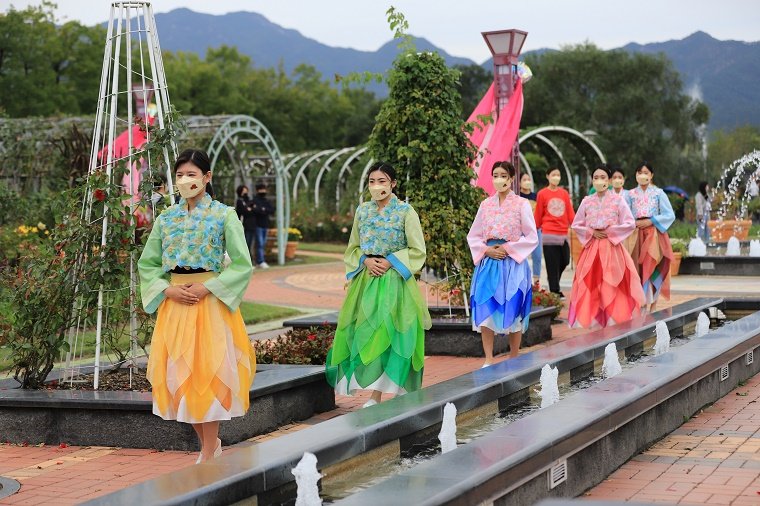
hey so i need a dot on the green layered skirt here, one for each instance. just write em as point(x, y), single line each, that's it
point(380, 338)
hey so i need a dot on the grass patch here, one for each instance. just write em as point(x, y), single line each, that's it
point(254, 312)
point(323, 247)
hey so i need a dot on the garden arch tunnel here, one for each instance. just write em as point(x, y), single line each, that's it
point(233, 137)
point(579, 140)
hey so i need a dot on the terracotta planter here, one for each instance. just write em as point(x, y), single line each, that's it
point(721, 231)
point(675, 265)
point(290, 249)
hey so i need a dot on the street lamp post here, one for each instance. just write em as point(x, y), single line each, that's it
point(505, 46)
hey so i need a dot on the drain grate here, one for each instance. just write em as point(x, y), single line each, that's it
point(750, 357)
point(558, 473)
point(724, 373)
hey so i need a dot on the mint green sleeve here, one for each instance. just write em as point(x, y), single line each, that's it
point(230, 285)
point(354, 257)
point(410, 260)
point(153, 279)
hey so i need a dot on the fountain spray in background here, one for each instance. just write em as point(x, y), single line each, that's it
point(307, 477)
point(733, 248)
point(549, 392)
point(662, 345)
point(697, 248)
point(611, 366)
point(703, 325)
point(448, 434)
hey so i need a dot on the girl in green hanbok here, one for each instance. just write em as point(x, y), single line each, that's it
point(380, 338)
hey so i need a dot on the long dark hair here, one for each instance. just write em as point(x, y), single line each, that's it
point(200, 159)
point(506, 166)
point(384, 167)
point(703, 188)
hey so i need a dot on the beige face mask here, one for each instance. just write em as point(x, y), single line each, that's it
point(600, 186)
point(526, 186)
point(555, 180)
point(501, 184)
point(618, 183)
point(643, 179)
point(189, 187)
point(379, 192)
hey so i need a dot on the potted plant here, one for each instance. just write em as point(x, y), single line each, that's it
point(679, 251)
point(294, 236)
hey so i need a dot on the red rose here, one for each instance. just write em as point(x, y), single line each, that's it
point(99, 195)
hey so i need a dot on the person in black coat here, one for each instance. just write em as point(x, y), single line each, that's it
point(244, 208)
point(262, 209)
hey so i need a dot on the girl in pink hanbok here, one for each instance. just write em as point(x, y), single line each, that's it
point(501, 238)
point(606, 288)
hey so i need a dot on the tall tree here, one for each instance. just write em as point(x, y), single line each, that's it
point(635, 103)
point(420, 131)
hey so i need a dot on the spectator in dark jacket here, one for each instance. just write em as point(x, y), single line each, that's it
point(244, 208)
point(262, 210)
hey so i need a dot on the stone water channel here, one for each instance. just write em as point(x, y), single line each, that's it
point(507, 458)
point(475, 426)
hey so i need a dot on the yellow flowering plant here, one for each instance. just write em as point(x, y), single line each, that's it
point(294, 234)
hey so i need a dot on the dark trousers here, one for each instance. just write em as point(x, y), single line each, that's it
point(249, 233)
point(557, 258)
point(261, 240)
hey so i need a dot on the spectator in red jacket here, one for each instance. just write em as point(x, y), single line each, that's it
point(554, 214)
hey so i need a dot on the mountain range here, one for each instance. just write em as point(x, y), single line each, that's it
point(724, 74)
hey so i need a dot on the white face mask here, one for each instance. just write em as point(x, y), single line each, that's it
point(643, 179)
point(555, 180)
point(189, 187)
point(379, 192)
point(601, 185)
point(501, 184)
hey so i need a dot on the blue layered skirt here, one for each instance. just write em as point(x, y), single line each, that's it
point(501, 295)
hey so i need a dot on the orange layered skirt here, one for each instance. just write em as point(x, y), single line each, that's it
point(606, 287)
point(201, 365)
point(653, 255)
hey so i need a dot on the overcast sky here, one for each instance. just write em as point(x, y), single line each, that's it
point(455, 25)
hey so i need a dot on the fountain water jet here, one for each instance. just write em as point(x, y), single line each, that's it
point(697, 248)
point(662, 345)
point(733, 249)
point(549, 392)
point(448, 434)
point(703, 325)
point(611, 366)
point(307, 477)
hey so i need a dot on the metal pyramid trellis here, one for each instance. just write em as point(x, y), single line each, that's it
point(132, 76)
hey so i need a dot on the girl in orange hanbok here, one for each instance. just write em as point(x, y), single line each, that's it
point(606, 288)
point(200, 365)
point(652, 252)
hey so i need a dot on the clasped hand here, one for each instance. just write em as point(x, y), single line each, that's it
point(377, 266)
point(497, 252)
point(188, 294)
point(600, 234)
point(646, 222)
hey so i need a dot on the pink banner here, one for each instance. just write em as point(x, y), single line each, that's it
point(502, 140)
point(485, 107)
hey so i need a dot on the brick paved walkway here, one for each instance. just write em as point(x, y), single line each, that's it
point(714, 458)
point(70, 475)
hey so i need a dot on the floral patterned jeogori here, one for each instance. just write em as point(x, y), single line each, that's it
point(382, 232)
point(194, 240)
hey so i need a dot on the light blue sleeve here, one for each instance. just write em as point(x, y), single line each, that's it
point(665, 219)
point(627, 198)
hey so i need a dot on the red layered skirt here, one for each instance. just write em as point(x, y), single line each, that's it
point(606, 287)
